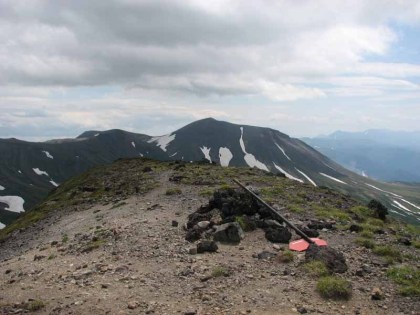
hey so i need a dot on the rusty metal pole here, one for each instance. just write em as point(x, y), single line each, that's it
point(275, 213)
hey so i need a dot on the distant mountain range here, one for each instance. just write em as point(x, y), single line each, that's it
point(379, 154)
point(28, 170)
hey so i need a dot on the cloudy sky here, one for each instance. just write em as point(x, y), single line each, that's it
point(302, 67)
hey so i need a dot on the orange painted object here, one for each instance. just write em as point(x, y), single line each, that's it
point(302, 245)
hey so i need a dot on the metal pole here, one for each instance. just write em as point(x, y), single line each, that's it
point(275, 213)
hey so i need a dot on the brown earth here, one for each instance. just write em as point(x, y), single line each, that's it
point(126, 257)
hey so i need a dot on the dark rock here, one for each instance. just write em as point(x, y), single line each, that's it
point(206, 246)
point(230, 233)
point(196, 217)
point(87, 188)
point(190, 312)
point(192, 250)
point(174, 223)
point(147, 169)
point(7, 271)
point(39, 257)
point(355, 228)
point(405, 241)
point(302, 310)
point(278, 234)
point(176, 178)
point(310, 232)
point(266, 255)
point(319, 225)
point(333, 259)
point(193, 235)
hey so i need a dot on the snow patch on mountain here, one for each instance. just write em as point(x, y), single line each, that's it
point(2, 226)
point(307, 177)
point(173, 154)
point(282, 150)
point(333, 178)
point(250, 158)
point(96, 134)
point(19, 171)
point(53, 183)
point(287, 174)
point(401, 206)
point(14, 203)
point(48, 154)
point(39, 172)
point(225, 156)
point(206, 152)
point(163, 141)
point(410, 203)
point(364, 174)
point(388, 192)
point(2, 187)
point(133, 144)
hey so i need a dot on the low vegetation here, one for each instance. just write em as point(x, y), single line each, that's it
point(408, 278)
point(332, 287)
point(286, 256)
point(34, 305)
point(173, 191)
point(219, 271)
point(389, 252)
point(365, 242)
point(316, 268)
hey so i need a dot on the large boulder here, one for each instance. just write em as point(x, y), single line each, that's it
point(333, 259)
point(230, 233)
point(278, 234)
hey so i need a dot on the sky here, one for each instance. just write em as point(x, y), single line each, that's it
point(303, 67)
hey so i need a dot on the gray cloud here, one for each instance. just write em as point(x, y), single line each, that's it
point(219, 55)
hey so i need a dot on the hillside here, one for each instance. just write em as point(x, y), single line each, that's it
point(28, 171)
point(380, 154)
point(111, 240)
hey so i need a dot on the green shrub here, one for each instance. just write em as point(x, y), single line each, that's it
point(408, 278)
point(64, 238)
point(34, 305)
point(379, 210)
point(365, 242)
point(173, 191)
point(316, 268)
point(332, 287)
point(220, 271)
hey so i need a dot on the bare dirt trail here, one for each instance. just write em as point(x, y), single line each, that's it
point(132, 258)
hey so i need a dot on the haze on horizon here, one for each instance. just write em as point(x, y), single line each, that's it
point(302, 67)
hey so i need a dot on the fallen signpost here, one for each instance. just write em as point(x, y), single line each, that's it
point(298, 245)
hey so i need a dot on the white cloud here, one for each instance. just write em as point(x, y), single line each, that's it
point(219, 58)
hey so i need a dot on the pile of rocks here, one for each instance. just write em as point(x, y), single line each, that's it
point(228, 214)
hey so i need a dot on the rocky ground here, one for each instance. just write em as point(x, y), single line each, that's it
point(128, 255)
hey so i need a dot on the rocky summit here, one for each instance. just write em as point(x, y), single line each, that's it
point(144, 237)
